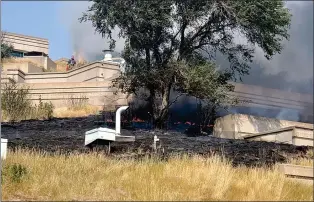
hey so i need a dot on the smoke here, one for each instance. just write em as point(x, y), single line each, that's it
point(84, 40)
point(292, 70)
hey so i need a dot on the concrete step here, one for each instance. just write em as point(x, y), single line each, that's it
point(299, 173)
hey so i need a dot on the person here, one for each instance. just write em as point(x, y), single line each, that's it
point(71, 63)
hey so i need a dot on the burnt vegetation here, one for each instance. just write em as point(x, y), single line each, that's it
point(66, 136)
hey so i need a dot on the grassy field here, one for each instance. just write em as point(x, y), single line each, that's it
point(31, 175)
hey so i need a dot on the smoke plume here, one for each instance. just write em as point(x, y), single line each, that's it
point(292, 70)
point(84, 40)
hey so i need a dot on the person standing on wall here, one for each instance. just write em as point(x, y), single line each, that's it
point(71, 63)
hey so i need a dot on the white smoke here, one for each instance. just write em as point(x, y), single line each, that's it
point(84, 39)
point(295, 61)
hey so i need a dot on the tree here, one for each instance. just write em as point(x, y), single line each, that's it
point(6, 48)
point(165, 40)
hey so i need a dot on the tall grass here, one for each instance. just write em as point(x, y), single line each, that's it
point(76, 107)
point(38, 176)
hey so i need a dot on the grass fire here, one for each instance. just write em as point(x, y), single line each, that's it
point(160, 103)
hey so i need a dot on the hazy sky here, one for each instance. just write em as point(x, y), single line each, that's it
point(58, 22)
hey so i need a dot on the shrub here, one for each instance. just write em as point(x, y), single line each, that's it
point(17, 106)
point(43, 110)
point(14, 100)
point(15, 173)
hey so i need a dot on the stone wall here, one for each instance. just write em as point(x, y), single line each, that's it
point(235, 126)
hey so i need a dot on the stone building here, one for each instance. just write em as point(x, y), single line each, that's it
point(29, 51)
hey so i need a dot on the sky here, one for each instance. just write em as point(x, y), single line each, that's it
point(40, 19)
point(58, 22)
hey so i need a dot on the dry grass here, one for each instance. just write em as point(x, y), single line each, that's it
point(66, 112)
point(95, 177)
point(301, 161)
point(306, 161)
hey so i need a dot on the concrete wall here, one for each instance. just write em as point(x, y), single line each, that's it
point(39, 60)
point(300, 136)
point(42, 61)
point(93, 72)
point(92, 81)
point(238, 125)
point(302, 142)
point(14, 74)
point(280, 136)
point(51, 65)
point(23, 66)
point(27, 43)
point(60, 94)
point(303, 136)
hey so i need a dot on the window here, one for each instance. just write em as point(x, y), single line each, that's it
point(33, 53)
point(17, 54)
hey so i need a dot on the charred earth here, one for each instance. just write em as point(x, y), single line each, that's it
point(67, 136)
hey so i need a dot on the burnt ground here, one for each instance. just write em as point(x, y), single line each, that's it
point(67, 135)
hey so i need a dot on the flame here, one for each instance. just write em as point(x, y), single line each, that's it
point(137, 120)
point(79, 57)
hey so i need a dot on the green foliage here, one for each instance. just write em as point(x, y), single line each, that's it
point(16, 105)
point(15, 173)
point(6, 51)
point(206, 83)
point(170, 43)
point(6, 48)
point(43, 110)
point(14, 101)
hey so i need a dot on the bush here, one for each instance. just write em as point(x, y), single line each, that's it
point(15, 173)
point(43, 110)
point(14, 102)
point(17, 106)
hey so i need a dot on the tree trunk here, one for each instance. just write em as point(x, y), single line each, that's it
point(152, 105)
point(161, 113)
